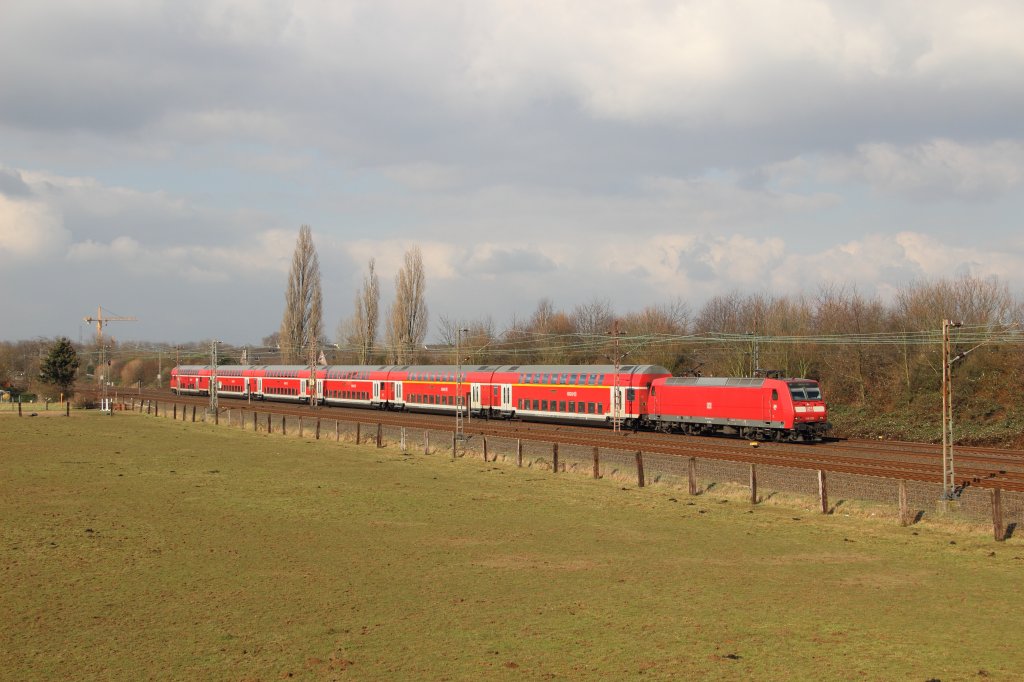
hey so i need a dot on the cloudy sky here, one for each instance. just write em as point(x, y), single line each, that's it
point(158, 158)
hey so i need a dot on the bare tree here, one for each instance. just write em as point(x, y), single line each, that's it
point(407, 326)
point(478, 341)
point(360, 333)
point(302, 325)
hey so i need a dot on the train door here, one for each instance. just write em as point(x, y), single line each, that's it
point(474, 397)
point(319, 390)
point(398, 392)
point(376, 391)
point(506, 398)
point(259, 386)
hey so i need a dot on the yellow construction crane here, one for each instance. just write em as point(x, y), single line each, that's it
point(101, 320)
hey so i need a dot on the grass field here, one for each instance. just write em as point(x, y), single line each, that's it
point(142, 548)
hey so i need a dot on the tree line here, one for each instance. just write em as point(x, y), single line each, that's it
point(868, 353)
point(865, 351)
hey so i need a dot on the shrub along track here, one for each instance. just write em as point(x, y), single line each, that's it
point(975, 466)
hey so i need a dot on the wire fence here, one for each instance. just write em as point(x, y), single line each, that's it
point(905, 502)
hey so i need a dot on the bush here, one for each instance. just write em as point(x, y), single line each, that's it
point(83, 402)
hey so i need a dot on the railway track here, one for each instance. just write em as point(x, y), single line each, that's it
point(975, 466)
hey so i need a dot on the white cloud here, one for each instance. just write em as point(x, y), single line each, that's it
point(30, 231)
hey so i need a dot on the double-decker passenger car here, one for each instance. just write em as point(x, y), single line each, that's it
point(583, 393)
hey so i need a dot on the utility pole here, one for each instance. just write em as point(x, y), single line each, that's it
point(755, 355)
point(213, 379)
point(616, 391)
point(313, 402)
point(948, 470)
point(460, 432)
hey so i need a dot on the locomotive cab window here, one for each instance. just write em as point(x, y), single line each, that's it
point(775, 394)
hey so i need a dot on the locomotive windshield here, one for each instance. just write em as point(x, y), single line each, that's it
point(805, 391)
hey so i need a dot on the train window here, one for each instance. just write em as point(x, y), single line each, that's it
point(600, 379)
point(797, 393)
point(775, 394)
point(572, 405)
point(544, 405)
point(536, 404)
point(572, 378)
point(600, 408)
point(590, 408)
point(561, 406)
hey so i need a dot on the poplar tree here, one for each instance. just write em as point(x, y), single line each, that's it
point(60, 365)
point(407, 321)
point(302, 324)
point(367, 316)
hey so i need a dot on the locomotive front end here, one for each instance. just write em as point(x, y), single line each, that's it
point(810, 413)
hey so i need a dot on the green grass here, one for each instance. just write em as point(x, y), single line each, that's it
point(136, 547)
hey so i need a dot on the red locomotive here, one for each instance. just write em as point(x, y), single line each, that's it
point(641, 396)
point(756, 408)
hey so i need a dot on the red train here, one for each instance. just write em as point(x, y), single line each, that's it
point(649, 396)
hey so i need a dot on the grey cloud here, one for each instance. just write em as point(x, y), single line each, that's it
point(12, 185)
point(506, 261)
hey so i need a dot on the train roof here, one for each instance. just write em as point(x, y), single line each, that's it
point(732, 381)
point(748, 382)
point(552, 369)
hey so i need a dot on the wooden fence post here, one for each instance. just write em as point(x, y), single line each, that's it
point(753, 483)
point(597, 463)
point(823, 491)
point(175, 411)
point(193, 414)
point(519, 452)
point(904, 511)
point(337, 431)
point(156, 408)
point(318, 428)
point(402, 441)
point(485, 448)
point(426, 442)
point(216, 417)
point(691, 475)
point(254, 421)
point(554, 456)
point(67, 408)
point(300, 427)
point(270, 425)
point(380, 435)
point(998, 528)
point(639, 469)
point(149, 407)
point(358, 432)
point(454, 451)
point(284, 425)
